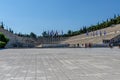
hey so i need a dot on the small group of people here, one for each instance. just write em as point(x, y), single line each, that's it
point(90, 45)
point(87, 45)
point(111, 45)
point(96, 33)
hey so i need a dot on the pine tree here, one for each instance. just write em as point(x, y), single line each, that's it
point(2, 25)
point(33, 35)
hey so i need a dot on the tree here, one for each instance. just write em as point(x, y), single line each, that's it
point(44, 34)
point(10, 30)
point(103, 24)
point(2, 25)
point(115, 16)
point(33, 35)
point(84, 29)
point(69, 32)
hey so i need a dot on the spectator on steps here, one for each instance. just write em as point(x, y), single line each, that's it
point(119, 45)
point(90, 45)
point(100, 33)
point(111, 45)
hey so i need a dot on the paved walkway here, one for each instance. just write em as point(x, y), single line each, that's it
point(60, 64)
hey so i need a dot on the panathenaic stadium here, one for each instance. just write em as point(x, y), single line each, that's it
point(112, 35)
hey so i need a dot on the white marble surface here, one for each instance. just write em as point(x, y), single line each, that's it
point(60, 64)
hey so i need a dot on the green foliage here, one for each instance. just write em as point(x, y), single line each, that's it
point(45, 34)
point(10, 30)
point(69, 32)
point(2, 26)
point(33, 35)
point(3, 40)
point(2, 44)
point(104, 24)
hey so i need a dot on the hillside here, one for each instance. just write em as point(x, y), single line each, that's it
point(16, 41)
point(106, 30)
point(111, 32)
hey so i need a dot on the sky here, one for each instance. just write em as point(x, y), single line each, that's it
point(36, 16)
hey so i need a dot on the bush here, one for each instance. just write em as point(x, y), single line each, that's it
point(2, 44)
point(3, 40)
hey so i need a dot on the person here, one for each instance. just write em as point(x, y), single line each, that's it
point(86, 45)
point(93, 33)
point(87, 33)
point(96, 33)
point(82, 45)
point(78, 45)
point(90, 45)
point(100, 33)
point(110, 45)
point(119, 45)
point(104, 33)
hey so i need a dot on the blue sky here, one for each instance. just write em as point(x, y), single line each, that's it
point(39, 15)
